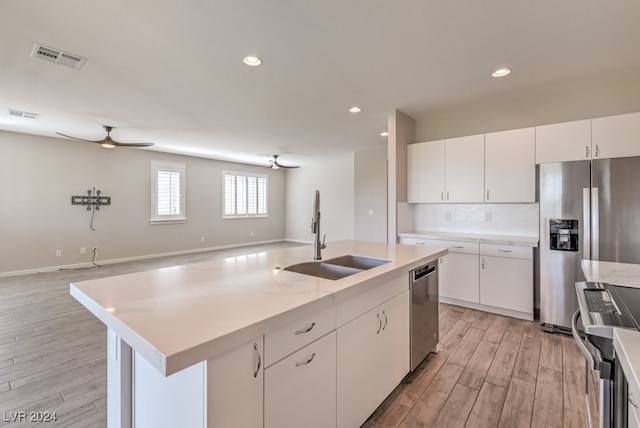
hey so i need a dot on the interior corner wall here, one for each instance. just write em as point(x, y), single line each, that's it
point(38, 176)
point(334, 178)
point(552, 104)
point(371, 195)
point(401, 130)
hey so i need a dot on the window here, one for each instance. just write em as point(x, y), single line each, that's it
point(245, 194)
point(167, 192)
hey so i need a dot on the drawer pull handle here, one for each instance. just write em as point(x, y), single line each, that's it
point(505, 251)
point(307, 330)
point(457, 246)
point(379, 324)
point(307, 361)
point(483, 263)
point(255, 348)
point(386, 320)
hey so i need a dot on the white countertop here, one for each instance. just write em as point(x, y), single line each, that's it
point(178, 316)
point(627, 346)
point(525, 241)
point(624, 274)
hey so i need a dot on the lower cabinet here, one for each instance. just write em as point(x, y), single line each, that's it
point(300, 390)
point(235, 388)
point(373, 357)
point(458, 277)
point(507, 282)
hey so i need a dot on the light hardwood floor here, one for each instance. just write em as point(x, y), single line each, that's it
point(490, 371)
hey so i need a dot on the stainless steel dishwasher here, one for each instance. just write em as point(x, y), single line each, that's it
point(424, 311)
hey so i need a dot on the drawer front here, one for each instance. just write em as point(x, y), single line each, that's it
point(413, 241)
point(510, 251)
point(280, 343)
point(453, 246)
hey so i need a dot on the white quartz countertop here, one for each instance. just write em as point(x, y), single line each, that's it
point(624, 274)
point(627, 346)
point(178, 316)
point(525, 241)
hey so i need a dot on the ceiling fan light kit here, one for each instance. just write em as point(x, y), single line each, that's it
point(273, 164)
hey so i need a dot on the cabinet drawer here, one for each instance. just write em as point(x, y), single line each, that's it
point(453, 246)
point(280, 343)
point(414, 241)
point(510, 251)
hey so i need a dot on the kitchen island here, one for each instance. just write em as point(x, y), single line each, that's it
point(212, 343)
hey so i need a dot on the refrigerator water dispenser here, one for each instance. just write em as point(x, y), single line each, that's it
point(563, 235)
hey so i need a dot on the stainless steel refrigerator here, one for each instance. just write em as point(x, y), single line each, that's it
point(588, 210)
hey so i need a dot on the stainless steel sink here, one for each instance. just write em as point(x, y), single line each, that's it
point(357, 262)
point(323, 270)
point(338, 267)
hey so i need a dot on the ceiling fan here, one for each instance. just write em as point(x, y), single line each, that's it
point(273, 164)
point(107, 142)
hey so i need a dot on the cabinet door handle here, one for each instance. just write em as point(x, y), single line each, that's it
point(379, 324)
point(487, 194)
point(505, 251)
point(386, 320)
point(586, 151)
point(483, 263)
point(440, 260)
point(630, 397)
point(255, 348)
point(442, 196)
point(597, 150)
point(306, 330)
point(307, 361)
point(447, 195)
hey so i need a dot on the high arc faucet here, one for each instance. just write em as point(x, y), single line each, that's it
point(315, 228)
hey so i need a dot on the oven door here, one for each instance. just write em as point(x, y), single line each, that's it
point(604, 395)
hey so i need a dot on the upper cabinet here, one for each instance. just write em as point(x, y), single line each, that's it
point(560, 142)
point(509, 166)
point(464, 169)
point(425, 171)
point(616, 136)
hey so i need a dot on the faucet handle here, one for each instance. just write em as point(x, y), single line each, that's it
point(313, 225)
point(323, 245)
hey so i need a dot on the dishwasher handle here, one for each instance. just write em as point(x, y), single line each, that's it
point(423, 271)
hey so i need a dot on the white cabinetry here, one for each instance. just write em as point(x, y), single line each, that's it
point(235, 382)
point(506, 277)
point(509, 166)
point(616, 136)
point(425, 171)
point(560, 142)
point(373, 357)
point(464, 169)
point(458, 276)
point(300, 390)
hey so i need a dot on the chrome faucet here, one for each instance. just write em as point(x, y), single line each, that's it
point(315, 228)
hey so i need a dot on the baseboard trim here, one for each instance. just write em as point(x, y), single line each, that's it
point(135, 258)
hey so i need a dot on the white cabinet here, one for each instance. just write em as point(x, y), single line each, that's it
point(464, 169)
point(509, 166)
point(459, 277)
point(425, 172)
point(235, 382)
point(300, 390)
point(506, 277)
point(560, 142)
point(373, 357)
point(616, 136)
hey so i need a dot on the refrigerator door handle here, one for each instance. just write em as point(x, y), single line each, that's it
point(595, 225)
point(586, 227)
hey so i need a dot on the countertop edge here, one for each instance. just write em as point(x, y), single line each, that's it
point(518, 240)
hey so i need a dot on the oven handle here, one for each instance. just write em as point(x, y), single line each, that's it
point(594, 362)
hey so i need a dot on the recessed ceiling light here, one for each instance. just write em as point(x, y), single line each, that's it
point(355, 109)
point(501, 72)
point(252, 61)
point(384, 134)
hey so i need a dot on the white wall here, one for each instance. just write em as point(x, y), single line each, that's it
point(38, 176)
point(371, 195)
point(334, 178)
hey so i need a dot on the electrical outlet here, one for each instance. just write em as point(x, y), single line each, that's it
point(58, 253)
point(83, 250)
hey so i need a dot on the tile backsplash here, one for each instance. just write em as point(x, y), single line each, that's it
point(495, 219)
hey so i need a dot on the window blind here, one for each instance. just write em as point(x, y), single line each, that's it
point(245, 195)
point(168, 193)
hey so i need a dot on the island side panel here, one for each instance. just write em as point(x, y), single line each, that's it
point(119, 382)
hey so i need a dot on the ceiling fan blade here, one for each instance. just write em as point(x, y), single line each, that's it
point(81, 139)
point(288, 167)
point(115, 143)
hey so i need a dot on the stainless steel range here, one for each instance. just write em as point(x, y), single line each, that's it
point(603, 307)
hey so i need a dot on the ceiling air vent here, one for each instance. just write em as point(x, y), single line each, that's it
point(57, 56)
point(24, 114)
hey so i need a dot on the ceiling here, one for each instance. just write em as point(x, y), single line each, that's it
point(172, 73)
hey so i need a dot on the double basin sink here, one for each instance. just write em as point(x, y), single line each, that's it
point(338, 267)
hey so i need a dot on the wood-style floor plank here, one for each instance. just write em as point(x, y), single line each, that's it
point(518, 405)
point(488, 407)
